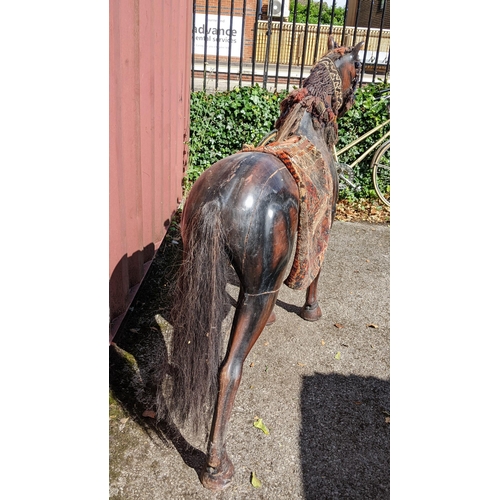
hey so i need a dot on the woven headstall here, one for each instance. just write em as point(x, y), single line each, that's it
point(327, 66)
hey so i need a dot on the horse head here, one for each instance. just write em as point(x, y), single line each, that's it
point(349, 69)
point(327, 93)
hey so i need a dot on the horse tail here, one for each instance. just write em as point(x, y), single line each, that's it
point(199, 307)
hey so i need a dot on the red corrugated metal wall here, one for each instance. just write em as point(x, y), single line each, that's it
point(150, 64)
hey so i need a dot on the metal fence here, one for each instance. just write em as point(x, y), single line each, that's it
point(235, 42)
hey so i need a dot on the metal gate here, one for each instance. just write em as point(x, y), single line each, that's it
point(236, 42)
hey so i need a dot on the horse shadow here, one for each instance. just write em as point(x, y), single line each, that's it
point(137, 401)
point(139, 346)
point(344, 437)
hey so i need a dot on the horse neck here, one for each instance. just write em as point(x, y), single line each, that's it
point(307, 129)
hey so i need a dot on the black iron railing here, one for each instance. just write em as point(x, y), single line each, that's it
point(237, 42)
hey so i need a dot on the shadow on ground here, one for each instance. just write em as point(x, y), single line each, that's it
point(138, 348)
point(344, 438)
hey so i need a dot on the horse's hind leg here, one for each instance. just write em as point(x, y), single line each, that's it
point(252, 313)
point(271, 319)
point(310, 310)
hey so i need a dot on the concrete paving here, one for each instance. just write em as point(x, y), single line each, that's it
point(321, 388)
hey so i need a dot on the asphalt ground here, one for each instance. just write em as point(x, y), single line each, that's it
point(322, 390)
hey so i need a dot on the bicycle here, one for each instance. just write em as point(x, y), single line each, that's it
point(380, 164)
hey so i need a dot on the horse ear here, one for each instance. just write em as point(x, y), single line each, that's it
point(332, 44)
point(357, 47)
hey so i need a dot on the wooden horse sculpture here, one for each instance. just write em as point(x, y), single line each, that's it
point(246, 210)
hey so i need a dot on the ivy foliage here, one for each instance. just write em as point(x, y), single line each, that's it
point(222, 122)
point(371, 108)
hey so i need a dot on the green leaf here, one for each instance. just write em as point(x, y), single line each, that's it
point(337, 356)
point(260, 425)
point(256, 483)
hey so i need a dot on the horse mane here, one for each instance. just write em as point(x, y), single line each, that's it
point(321, 96)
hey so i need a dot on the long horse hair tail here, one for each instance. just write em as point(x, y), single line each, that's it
point(198, 309)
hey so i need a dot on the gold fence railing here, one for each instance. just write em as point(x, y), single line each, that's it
point(297, 51)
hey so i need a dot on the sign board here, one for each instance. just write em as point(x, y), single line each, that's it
point(223, 33)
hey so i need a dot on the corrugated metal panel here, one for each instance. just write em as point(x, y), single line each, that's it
point(150, 56)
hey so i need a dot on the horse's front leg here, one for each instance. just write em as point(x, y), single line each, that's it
point(310, 310)
point(250, 319)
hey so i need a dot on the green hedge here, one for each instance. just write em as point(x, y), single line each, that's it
point(222, 122)
point(369, 110)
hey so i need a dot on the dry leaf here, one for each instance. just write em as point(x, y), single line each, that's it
point(301, 364)
point(124, 420)
point(251, 364)
point(323, 342)
point(387, 420)
point(338, 325)
point(149, 413)
point(372, 325)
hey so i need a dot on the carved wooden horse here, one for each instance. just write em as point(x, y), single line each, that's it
point(245, 210)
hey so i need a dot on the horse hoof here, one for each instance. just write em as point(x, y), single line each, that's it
point(218, 479)
point(271, 319)
point(311, 313)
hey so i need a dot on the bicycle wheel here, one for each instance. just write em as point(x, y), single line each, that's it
point(381, 174)
point(268, 138)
